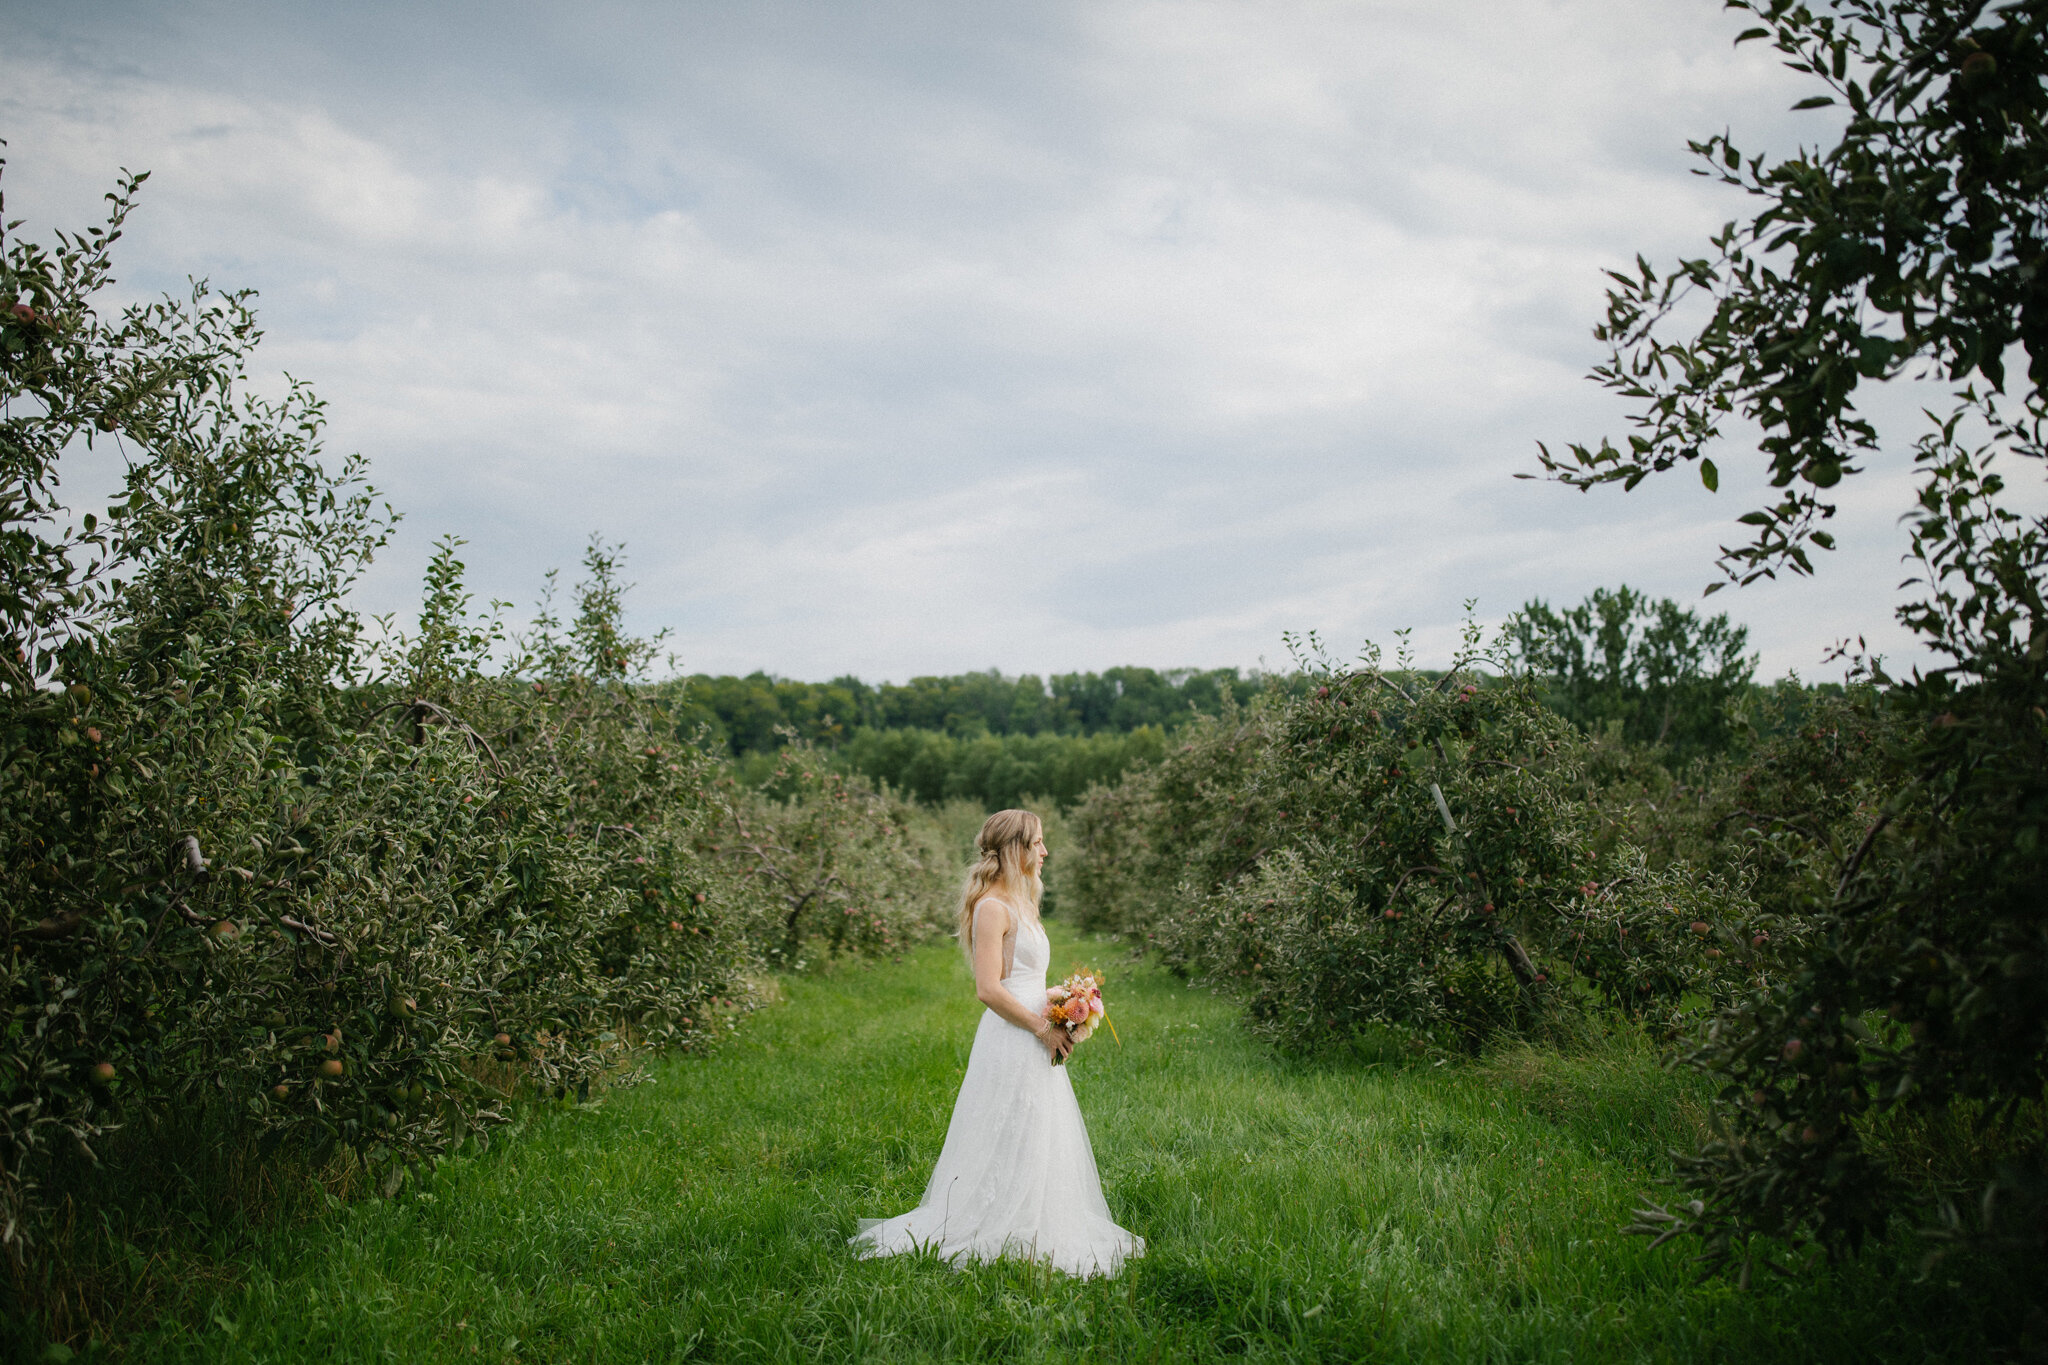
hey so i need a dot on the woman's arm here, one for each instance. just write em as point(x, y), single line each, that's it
point(991, 922)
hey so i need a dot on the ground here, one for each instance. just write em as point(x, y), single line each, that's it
point(1353, 1209)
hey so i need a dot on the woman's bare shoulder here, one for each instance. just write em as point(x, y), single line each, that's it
point(995, 905)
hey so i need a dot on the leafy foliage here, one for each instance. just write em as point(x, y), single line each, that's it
point(1656, 670)
point(253, 895)
point(830, 861)
point(1382, 851)
point(748, 715)
point(1915, 1023)
point(1917, 239)
point(998, 773)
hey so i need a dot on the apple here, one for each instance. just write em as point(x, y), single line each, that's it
point(104, 1073)
point(332, 1067)
point(282, 1092)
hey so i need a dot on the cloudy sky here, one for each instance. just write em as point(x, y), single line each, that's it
point(898, 338)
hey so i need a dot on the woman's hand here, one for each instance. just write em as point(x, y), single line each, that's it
point(1058, 1042)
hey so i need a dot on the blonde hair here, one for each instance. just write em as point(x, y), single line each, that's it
point(1005, 838)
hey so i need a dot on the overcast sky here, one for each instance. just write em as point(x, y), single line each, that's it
point(902, 338)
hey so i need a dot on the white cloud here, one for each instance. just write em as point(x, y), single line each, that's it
point(910, 338)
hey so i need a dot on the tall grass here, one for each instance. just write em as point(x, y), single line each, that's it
point(1371, 1209)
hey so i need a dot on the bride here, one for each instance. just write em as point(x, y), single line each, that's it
point(1017, 1176)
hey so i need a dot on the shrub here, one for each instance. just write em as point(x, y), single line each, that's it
point(1386, 851)
point(258, 900)
point(1903, 1061)
point(828, 861)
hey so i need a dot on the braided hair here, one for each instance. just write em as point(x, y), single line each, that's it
point(1001, 847)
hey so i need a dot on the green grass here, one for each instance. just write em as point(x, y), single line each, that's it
point(1371, 1212)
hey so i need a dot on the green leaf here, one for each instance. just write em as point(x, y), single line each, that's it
point(1710, 476)
point(1749, 34)
point(1815, 102)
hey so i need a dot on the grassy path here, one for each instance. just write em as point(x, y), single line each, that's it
point(1375, 1213)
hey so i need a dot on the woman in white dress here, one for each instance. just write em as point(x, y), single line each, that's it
point(1017, 1176)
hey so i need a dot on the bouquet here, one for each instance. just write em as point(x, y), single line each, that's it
point(1076, 1006)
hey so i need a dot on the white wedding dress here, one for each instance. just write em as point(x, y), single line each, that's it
point(1017, 1176)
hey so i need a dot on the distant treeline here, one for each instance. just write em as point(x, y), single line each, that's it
point(999, 771)
point(749, 715)
point(1647, 673)
point(980, 737)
